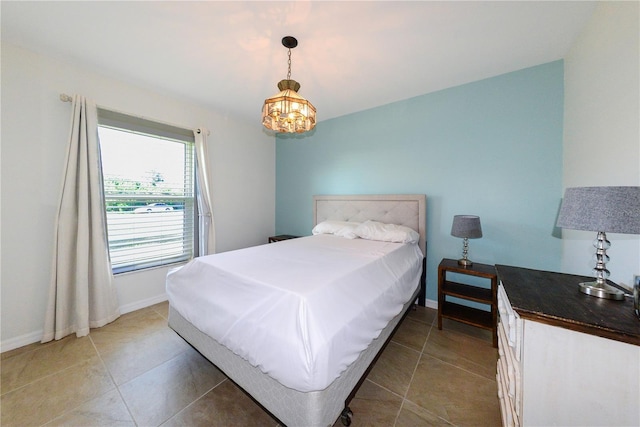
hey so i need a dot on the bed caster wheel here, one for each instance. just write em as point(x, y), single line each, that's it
point(346, 417)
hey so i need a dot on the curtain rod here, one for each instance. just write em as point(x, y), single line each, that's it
point(67, 98)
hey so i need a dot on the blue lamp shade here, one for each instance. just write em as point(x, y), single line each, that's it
point(466, 226)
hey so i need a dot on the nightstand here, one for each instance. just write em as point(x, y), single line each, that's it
point(281, 237)
point(470, 292)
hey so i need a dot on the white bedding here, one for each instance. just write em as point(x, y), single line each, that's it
point(300, 310)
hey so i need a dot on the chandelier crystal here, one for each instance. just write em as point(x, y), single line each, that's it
point(287, 111)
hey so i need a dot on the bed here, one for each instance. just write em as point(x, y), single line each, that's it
point(335, 302)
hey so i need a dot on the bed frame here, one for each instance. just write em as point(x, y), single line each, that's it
point(318, 408)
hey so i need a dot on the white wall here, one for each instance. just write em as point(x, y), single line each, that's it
point(35, 126)
point(602, 127)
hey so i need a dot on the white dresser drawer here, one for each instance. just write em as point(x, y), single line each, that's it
point(509, 416)
point(511, 368)
point(511, 322)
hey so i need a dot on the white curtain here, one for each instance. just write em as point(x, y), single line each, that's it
point(207, 241)
point(81, 293)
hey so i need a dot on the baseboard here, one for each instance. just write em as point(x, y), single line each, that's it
point(430, 303)
point(128, 308)
point(21, 341)
point(33, 337)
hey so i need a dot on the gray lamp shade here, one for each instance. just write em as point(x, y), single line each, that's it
point(606, 209)
point(466, 226)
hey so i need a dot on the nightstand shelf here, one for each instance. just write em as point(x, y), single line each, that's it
point(469, 315)
point(485, 319)
point(472, 293)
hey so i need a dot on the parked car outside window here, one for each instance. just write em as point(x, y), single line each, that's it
point(153, 207)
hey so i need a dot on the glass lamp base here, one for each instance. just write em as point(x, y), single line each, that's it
point(465, 262)
point(599, 290)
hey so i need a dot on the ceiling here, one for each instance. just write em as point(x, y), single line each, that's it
point(351, 56)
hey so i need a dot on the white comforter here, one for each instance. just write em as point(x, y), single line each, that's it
point(301, 310)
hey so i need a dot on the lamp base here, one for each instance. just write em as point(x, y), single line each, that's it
point(465, 262)
point(601, 290)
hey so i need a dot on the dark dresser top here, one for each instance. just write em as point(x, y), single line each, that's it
point(554, 299)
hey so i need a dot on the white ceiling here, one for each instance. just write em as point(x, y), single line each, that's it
point(351, 56)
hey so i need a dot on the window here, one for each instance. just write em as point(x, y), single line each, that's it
point(148, 173)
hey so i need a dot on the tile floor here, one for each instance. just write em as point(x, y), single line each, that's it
point(138, 372)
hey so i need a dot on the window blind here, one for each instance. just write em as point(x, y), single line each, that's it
point(149, 190)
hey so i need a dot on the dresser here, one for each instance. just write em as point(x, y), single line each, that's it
point(564, 358)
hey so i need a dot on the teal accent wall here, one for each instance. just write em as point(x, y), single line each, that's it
point(491, 148)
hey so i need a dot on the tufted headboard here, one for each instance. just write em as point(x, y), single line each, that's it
point(409, 210)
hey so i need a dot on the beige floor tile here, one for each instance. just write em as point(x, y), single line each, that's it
point(107, 410)
point(394, 369)
point(423, 314)
point(225, 405)
point(462, 398)
point(162, 308)
point(412, 334)
point(24, 349)
point(44, 360)
point(412, 415)
point(161, 379)
point(162, 392)
point(52, 396)
point(128, 328)
point(134, 358)
point(464, 351)
point(373, 406)
point(463, 328)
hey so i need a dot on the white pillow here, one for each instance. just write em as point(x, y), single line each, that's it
point(373, 230)
point(344, 229)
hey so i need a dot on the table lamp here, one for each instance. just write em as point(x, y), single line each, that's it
point(466, 227)
point(601, 209)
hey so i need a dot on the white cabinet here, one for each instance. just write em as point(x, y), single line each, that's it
point(553, 376)
point(509, 372)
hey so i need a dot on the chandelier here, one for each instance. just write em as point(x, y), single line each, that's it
point(287, 111)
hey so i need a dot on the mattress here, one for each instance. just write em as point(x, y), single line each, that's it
point(291, 407)
point(301, 310)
